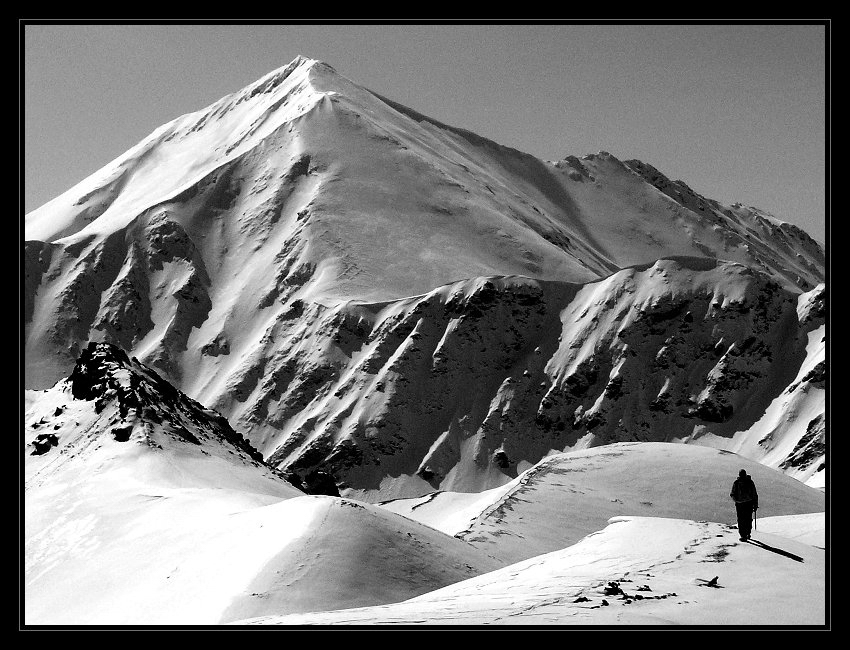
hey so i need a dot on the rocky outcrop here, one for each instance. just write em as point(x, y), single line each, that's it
point(476, 380)
point(138, 405)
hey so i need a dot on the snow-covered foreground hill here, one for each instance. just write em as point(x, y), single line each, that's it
point(406, 306)
point(636, 571)
point(145, 508)
point(565, 496)
point(139, 511)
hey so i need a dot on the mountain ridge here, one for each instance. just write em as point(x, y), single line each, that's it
point(254, 251)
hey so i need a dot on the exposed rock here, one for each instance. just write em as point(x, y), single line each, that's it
point(43, 443)
point(105, 374)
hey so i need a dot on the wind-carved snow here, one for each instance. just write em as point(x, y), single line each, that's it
point(565, 496)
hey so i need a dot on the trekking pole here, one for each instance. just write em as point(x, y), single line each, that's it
point(755, 519)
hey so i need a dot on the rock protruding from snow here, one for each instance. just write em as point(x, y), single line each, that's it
point(109, 395)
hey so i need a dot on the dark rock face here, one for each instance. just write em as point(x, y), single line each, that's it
point(814, 309)
point(810, 447)
point(817, 375)
point(92, 376)
point(104, 373)
point(315, 482)
point(43, 443)
point(488, 374)
point(510, 370)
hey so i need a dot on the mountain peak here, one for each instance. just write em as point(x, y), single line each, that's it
point(302, 60)
point(279, 74)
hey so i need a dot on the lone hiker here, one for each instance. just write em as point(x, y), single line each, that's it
point(746, 502)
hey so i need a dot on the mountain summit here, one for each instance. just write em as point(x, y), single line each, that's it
point(328, 268)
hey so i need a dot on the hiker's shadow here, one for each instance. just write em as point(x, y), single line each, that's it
point(773, 549)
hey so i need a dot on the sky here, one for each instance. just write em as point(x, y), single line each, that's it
point(738, 112)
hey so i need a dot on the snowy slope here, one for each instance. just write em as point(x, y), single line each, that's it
point(809, 529)
point(122, 551)
point(143, 507)
point(305, 189)
point(566, 496)
point(635, 571)
point(384, 306)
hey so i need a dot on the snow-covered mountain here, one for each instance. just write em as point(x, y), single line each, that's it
point(402, 306)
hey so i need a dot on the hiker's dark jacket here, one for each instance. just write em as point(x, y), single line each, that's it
point(744, 490)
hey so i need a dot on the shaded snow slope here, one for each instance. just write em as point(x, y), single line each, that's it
point(143, 507)
point(567, 496)
point(357, 554)
point(636, 571)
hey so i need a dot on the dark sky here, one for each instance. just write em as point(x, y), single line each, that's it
point(737, 112)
